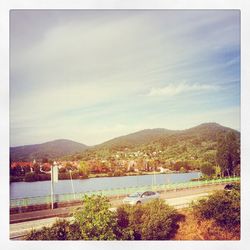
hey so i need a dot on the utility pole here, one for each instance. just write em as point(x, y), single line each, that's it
point(52, 188)
point(72, 185)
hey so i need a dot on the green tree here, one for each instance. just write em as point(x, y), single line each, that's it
point(210, 156)
point(217, 171)
point(95, 220)
point(207, 169)
point(84, 169)
point(228, 153)
point(223, 207)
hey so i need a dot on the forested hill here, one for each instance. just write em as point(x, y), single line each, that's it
point(141, 137)
point(50, 150)
point(198, 144)
point(204, 132)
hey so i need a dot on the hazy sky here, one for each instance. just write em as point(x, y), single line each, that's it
point(90, 76)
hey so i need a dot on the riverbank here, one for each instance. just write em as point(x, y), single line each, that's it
point(63, 176)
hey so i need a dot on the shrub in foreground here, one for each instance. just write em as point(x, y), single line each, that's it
point(152, 221)
point(58, 231)
point(223, 207)
point(95, 221)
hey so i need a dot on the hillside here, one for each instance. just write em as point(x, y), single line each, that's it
point(197, 144)
point(204, 132)
point(141, 137)
point(51, 150)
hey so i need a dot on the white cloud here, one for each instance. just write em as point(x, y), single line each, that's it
point(84, 76)
point(176, 89)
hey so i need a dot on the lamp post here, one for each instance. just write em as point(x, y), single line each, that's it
point(72, 184)
point(54, 179)
point(52, 187)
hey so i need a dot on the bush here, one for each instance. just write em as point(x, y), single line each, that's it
point(92, 222)
point(63, 176)
point(207, 169)
point(83, 176)
point(223, 207)
point(110, 174)
point(16, 178)
point(95, 220)
point(62, 170)
point(118, 173)
point(152, 221)
point(61, 230)
point(75, 174)
point(30, 177)
point(160, 221)
point(44, 177)
point(123, 231)
point(232, 186)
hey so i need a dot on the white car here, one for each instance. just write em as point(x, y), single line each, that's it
point(141, 197)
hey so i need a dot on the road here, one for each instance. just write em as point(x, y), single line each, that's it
point(23, 223)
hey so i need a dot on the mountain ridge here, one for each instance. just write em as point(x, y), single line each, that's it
point(149, 135)
point(162, 136)
point(55, 148)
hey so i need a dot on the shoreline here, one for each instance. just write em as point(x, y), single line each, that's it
point(101, 175)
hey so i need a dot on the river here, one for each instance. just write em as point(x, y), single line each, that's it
point(42, 188)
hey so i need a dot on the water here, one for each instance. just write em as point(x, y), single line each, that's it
point(42, 188)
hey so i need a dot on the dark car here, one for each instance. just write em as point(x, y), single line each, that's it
point(232, 186)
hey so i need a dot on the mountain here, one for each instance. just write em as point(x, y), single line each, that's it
point(141, 137)
point(198, 144)
point(51, 150)
point(205, 131)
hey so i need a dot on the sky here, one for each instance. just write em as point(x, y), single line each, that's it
point(92, 75)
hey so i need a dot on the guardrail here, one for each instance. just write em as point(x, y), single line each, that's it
point(24, 202)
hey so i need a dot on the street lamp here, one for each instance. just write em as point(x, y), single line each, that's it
point(72, 184)
point(54, 179)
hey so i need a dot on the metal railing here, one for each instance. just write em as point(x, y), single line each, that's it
point(23, 202)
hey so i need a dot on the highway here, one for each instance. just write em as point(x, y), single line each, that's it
point(20, 224)
point(20, 229)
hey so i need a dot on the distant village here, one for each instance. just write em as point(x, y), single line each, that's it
point(119, 163)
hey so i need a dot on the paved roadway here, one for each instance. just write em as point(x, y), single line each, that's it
point(22, 223)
